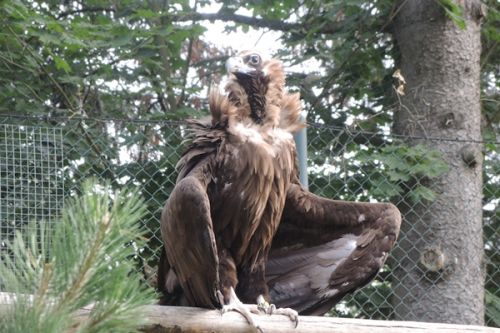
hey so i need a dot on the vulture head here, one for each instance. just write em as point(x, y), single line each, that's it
point(256, 94)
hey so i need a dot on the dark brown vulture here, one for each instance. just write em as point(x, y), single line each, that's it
point(239, 223)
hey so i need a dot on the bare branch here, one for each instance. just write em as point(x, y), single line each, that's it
point(228, 16)
point(208, 61)
point(84, 10)
point(256, 22)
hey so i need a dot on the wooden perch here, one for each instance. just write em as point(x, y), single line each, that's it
point(168, 319)
point(183, 319)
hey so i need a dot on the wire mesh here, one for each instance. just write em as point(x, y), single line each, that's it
point(31, 182)
point(342, 164)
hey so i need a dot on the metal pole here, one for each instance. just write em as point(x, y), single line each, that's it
point(301, 143)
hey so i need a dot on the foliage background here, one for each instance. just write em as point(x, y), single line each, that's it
point(120, 76)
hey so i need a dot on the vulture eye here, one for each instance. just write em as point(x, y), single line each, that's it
point(254, 59)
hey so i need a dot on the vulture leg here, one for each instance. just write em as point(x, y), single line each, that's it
point(234, 304)
point(227, 295)
point(325, 249)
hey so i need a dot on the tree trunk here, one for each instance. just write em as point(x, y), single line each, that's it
point(440, 63)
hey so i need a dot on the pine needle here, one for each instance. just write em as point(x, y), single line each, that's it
point(89, 261)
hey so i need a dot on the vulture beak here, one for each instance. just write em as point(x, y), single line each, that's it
point(236, 65)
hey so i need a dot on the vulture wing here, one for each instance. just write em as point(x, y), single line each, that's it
point(190, 275)
point(325, 249)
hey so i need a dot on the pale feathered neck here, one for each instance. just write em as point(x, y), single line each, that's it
point(281, 109)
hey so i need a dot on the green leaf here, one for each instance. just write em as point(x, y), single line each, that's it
point(422, 193)
point(145, 13)
point(49, 38)
point(492, 307)
point(454, 12)
point(55, 26)
point(61, 64)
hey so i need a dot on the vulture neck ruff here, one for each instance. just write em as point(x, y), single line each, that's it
point(255, 85)
point(258, 95)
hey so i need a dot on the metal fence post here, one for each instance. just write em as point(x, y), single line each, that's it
point(301, 143)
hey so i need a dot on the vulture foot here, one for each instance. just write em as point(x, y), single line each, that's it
point(271, 309)
point(235, 304)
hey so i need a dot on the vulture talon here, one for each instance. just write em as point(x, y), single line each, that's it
point(234, 304)
point(220, 297)
point(271, 309)
point(290, 313)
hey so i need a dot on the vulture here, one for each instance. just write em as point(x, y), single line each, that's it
point(240, 232)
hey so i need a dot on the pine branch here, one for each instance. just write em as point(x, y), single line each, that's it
point(91, 262)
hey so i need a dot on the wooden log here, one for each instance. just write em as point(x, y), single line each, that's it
point(168, 319)
point(191, 320)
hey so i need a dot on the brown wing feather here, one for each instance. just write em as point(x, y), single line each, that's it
point(325, 249)
point(187, 231)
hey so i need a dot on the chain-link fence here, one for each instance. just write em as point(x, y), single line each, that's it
point(42, 161)
point(30, 177)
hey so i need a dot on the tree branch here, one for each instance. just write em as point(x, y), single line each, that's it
point(256, 22)
point(84, 10)
point(228, 16)
point(208, 61)
point(225, 16)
